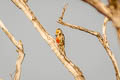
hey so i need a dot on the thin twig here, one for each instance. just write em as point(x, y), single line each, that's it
point(61, 17)
point(20, 50)
point(103, 40)
point(51, 41)
point(104, 31)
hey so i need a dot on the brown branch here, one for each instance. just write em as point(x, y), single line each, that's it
point(112, 11)
point(99, 6)
point(51, 41)
point(103, 40)
point(107, 46)
point(104, 31)
point(74, 26)
point(20, 51)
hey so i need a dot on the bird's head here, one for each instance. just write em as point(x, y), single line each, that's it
point(58, 31)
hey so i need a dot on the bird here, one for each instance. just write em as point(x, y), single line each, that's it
point(60, 40)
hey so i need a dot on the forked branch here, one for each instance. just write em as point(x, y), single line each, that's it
point(20, 50)
point(99, 6)
point(111, 11)
point(51, 41)
point(102, 39)
point(104, 31)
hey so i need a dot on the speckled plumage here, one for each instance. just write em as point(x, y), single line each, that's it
point(60, 39)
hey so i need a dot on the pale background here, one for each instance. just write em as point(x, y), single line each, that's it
point(40, 62)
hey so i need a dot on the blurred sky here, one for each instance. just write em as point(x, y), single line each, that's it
point(40, 62)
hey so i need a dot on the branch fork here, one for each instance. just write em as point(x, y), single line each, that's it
point(102, 38)
point(20, 51)
point(51, 41)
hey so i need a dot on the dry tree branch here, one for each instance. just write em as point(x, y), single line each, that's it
point(20, 50)
point(104, 31)
point(74, 26)
point(78, 75)
point(111, 11)
point(103, 40)
point(107, 44)
point(100, 7)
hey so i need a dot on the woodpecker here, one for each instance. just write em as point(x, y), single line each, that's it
point(60, 39)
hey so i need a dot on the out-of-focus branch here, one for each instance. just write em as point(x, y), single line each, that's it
point(111, 11)
point(100, 7)
point(51, 41)
point(103, 40)
point(20, 51)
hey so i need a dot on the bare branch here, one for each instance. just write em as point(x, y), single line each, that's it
point(99, 6)
point(74, 26)
point(63, 12)
point(104, 31)
point(9, 34)
point(106, 46)
point(78, 27)
point(20, 50)
point(51, 41)
point(103, 40)
point(111, 11)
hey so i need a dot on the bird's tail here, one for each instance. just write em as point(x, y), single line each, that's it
point(63, 49)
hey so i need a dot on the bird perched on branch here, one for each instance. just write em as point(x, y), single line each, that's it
point(60, 39)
